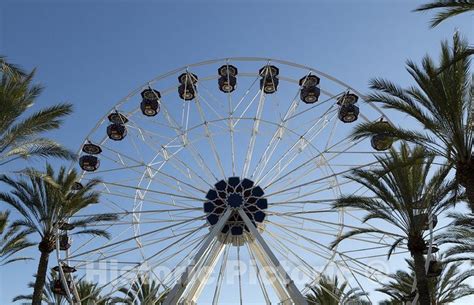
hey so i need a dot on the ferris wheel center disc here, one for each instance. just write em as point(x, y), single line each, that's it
point(235, 193)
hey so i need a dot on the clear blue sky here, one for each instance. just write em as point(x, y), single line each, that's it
point(92, 53)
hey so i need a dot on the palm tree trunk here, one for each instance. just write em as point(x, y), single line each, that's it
point(40, 278)
point(465, 177)
point(469, 186)
point(421, 279)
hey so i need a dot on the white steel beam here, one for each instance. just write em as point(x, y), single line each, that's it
point(215, 252)
point(270, 273)
point(176, 293)
point(296, 297)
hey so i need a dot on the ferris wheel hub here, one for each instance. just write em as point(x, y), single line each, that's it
point(236, 193)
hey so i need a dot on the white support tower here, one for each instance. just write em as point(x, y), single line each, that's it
point(188, 289)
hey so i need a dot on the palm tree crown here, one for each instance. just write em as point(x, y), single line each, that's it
point(446, 288)
point(448, 9)
point(89, 293)
point(441, 102)
point(332, 292)
point(407, 195)
point(12, 240)
point(143, 291)
point(21, 137)
point(44, 201)
point(461, 236)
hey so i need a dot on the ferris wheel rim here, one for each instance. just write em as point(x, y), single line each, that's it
point(233, 59)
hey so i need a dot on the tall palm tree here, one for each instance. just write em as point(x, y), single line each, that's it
point(48, 296)
point(143, 291)
point(20, 136)
point(461, 236)
point(407, 193)
point(331, 292)
point(448, 9)
point(88, 292)
point(446, 288)
point(45, 202)
point(12, 240)
point(442, 102)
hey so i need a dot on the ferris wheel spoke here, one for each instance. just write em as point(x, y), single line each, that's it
point(330, 185)
point(155, 191)
point(175, 273)
point(330, 232)
point(299, 145)
point(150, 200)
point(152, 172)
point(145, 261)
point(145, 134)
point(182, 134)
point(206, 102)
point(300, 263)
point(108, 245)
point(133, 169)
point(309, 161)
point(322, 178)
point(242, 115)
point(276, 138)
point(209, 136)
point(341, 254)
point(171, 157)
point(353, 273)
point(119, 251)
point(253, 135)
point(330, 223)
point(324, 252)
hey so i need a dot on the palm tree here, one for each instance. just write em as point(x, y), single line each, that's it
point(330, 292)
point(461, 234)
point(9, 68)
point(12, 240)
point(445, 289)
point(88, 292)
point(20, 137)
point(46, 201)
point(442, 102)
point(143, 291)
point(48, 296)
point(449, 8)
point(407, 194)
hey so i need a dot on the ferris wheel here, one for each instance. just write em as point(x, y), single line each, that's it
point(223, 174)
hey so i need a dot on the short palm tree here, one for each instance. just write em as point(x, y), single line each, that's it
point(407, 194)
point(88, 292)
point(448, 9)
point(442, 102)
point(43, 202)
point(21, 137)
point(331, 292)
point(461, 236)
point(446, 288)
point(143, 291)
point(12, 241)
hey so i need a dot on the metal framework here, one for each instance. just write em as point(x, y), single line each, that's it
point(156, 180)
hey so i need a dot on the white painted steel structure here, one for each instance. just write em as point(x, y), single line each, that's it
point(156, 181)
